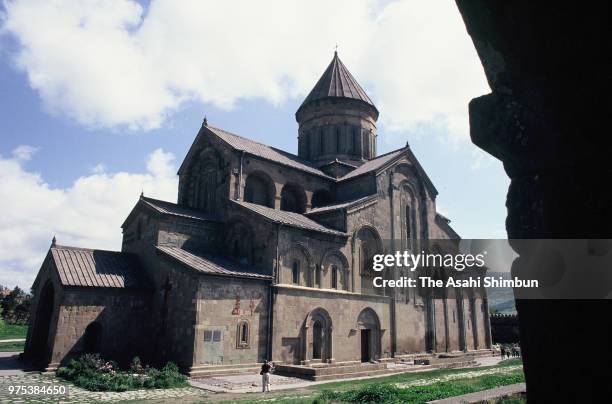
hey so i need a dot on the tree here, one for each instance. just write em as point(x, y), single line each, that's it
point(16, 306)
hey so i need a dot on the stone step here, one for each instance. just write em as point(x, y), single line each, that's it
point(337, 376)
point(213, 371)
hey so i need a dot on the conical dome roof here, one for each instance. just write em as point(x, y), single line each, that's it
point(337, 81)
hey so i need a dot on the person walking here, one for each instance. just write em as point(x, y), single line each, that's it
point(266, 369)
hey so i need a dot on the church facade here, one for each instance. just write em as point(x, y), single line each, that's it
point(265, 255)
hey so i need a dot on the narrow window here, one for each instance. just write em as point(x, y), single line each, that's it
point(216, 336)
point(453, 316)
point(243, 334)
point(408, 228)
point(338, 140)
point(139, 229)
point(334, 277)
point(207, 335)
point(295, 272)
point(318, 277)
point(322, 142)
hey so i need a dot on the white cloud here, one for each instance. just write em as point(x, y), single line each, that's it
point(109, 63)
point(89, 213)
point(24, 152)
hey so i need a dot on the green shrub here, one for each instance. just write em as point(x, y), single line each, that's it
point(390, 394)
point(93, 373)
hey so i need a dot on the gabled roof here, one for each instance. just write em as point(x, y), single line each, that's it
point(344, 205)
point(337, 81)
point(97, 268)
point(383, 160)
point(445, 224)
point(288, 218)
point(261, 150)
point(209, 264)
point(169, 208)
point(372, 165)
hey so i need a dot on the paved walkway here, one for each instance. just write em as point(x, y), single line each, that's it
point(250, 382)
point(78, 395)
point(9, 365)
point(12, 373)
point(484, 395)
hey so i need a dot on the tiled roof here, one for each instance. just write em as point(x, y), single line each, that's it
point(267, 152)
point(97, 268)
point(170, 208)
point(373, 164)
point(288, 218)
point(343, 205)
point(209, 264)
point(337, 81)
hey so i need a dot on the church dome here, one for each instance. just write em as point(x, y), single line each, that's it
point(337, 120)
point(337, 82)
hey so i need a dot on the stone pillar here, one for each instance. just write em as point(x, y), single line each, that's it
point(545, 119)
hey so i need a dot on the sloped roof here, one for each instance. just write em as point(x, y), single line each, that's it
point(209, 264)
point(337, 81)
point(343, 205)
point(97, 268)
point(445, 223)
point(266, 152)
point(372, 165)
point(170, 208)
point(288, 218)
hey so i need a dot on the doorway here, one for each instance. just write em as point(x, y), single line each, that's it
point(365, 345)
point(317, 340)
point(40, 349)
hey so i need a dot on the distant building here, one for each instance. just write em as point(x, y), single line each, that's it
point(265, 255)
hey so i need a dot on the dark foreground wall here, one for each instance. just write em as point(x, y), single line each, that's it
point(505, 328)
point(547, 64)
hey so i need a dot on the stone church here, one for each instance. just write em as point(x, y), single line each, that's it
point(265, 255)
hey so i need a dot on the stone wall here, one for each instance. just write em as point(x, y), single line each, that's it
point(292, 305)
point(224, 303)
point(122, 338)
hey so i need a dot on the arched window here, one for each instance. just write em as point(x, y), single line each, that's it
point(295, 272)
point(293, 199)
point(408, 214)
point(207, 189)
point(242, 335)
point(322, 141)
point(139, 229)
point(259, 189)
point(334, 277)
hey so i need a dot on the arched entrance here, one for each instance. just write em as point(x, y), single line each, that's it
point(318, 337)
point(92, 338)
point(369, 334)
point(317, 340)
point(40, 351)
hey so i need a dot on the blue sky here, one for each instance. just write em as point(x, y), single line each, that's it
point(90, 154)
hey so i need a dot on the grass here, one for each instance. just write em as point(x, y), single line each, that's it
point(9, 331)
point(389, 393)
point(11, 346)
point(408, 377)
